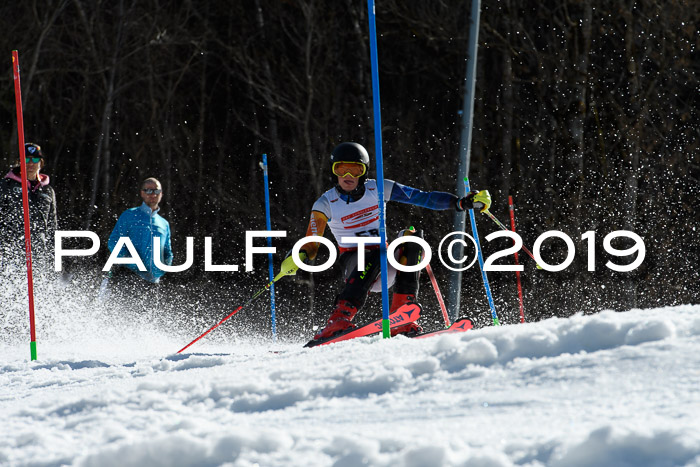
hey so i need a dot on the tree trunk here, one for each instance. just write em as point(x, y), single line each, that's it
point(102, 153)
point(632, 146)
point(506, 110)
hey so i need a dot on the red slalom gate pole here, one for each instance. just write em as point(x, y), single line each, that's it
point(25, 202)
point(517, 273)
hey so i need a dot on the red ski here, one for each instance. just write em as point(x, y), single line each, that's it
point(404, 314)
point(462, 325)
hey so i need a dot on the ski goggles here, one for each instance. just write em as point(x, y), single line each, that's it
point(33, 160)
point(354, 169)
point(152, 191)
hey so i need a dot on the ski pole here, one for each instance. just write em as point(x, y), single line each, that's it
point(257, 294)
point(280, 275)
point(439, 295)
point(503, 227)
point(517, 273)
point(481, 260)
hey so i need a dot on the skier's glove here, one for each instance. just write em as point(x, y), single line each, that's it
point(289, 268)
point(480, 200)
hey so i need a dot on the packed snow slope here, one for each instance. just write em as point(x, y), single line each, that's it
point(611, 389)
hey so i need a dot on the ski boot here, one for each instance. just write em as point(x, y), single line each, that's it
point(339, 321)
point(409, 329)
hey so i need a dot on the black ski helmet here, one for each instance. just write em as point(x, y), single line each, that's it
point(350, 152)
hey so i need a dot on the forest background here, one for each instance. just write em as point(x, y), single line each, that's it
point(585, 112)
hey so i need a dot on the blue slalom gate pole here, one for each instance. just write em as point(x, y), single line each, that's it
point(481, 260)
point(268, 225)
point(386, 330)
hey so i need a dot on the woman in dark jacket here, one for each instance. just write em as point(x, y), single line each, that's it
point(42, 211)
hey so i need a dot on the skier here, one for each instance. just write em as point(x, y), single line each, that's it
point(42, 212)
point(351, 208)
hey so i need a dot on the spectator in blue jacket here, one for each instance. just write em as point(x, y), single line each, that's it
point(141, 224)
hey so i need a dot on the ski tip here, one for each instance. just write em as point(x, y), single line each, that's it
point(316, 342)
point(327, 340)
point(461, 325)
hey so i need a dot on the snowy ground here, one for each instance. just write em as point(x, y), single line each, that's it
point(612, 389)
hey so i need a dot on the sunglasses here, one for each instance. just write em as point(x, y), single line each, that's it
point(33, 160)
point(152, 191)
point(354, 169)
